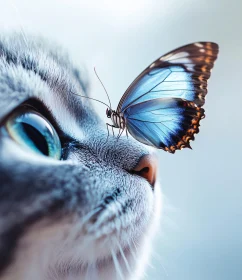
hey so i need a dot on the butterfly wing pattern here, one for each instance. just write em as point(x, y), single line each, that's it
point(162, 107)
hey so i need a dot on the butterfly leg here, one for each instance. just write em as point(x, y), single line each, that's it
point(122, 127)
point(108, 132)
point(127, 132)
point(120, 133)
point(107, 124)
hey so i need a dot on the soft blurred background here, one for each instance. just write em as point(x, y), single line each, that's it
point(201, 235)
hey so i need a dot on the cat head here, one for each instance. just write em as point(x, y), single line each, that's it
point(73, 203)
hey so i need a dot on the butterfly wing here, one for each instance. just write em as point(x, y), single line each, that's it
point(181, 73)
point(164, 123)
point(162, 107)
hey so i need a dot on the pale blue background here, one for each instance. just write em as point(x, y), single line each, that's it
point(201, 235)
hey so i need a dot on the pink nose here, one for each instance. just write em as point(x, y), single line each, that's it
point(147, 168)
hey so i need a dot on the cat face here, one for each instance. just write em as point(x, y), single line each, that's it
point(75, 204)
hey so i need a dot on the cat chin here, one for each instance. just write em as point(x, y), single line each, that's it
point(58, 250)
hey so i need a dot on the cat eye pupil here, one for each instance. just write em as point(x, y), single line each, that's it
point(33, 132)
point(36, 137)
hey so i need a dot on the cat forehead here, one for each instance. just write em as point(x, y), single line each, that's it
point(34, 69)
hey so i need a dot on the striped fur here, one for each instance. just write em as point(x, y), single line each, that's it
point(75, 218)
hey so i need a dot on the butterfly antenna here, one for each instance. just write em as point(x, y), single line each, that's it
point(91, 99)
point(103, 88)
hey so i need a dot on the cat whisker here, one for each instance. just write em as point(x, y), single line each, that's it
point(79, 225)
point(20, 22)
point(124, 258)
point(135, 245)
point(90, 215)
point(158, 257)
point(92, 272)
point(145, 275)
point(117, 265)
point(132, 250)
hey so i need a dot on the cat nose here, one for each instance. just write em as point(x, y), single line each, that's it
point(147, 168)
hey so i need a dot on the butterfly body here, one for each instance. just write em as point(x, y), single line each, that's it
point(162, 108)
point(118, 119)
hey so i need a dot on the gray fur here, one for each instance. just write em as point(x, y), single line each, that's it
point(93, 174)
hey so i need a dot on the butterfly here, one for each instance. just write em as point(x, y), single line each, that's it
point(162, 108)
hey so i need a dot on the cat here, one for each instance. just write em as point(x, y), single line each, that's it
point(74, 204)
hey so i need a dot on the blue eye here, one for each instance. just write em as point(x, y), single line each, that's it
point(34, 132)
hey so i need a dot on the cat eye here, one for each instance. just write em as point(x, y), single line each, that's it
point(33, 132)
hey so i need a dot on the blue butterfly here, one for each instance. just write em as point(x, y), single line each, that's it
point(162, 107)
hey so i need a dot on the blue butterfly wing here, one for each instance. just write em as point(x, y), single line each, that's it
point(164, 123)
point(182, 73)
point(177, 84)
